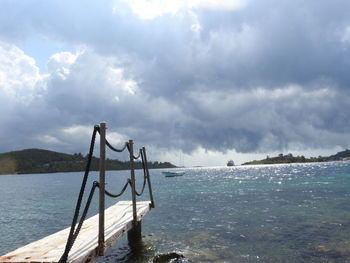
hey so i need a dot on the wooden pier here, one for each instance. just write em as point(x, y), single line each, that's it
point(118, 221)
point(88, 239)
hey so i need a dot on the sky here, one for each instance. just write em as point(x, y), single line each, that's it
point(195, 82)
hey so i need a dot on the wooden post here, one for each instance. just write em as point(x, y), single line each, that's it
point(134, 235)
point(133, 187)
point(101, 221)
point(148, 177)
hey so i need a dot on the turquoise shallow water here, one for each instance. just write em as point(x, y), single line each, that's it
point(277, 213)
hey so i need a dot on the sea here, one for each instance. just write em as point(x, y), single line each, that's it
point(270, 213)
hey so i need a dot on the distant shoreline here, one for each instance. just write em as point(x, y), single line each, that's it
point(289, 158)
point(78, 171)
point(32, 161)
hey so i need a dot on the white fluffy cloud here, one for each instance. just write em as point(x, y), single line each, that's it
point(19, 76)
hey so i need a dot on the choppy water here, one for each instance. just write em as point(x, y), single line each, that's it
point(277, 213)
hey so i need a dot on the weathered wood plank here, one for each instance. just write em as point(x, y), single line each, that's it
point(118, 220)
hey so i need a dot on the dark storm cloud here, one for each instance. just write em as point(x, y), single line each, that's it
point(272, 75)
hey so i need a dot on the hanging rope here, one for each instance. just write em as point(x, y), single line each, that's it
point(121, 192)
point(143, 188)
point(135, 157)
point(147, 175)
point(144, 173)
point(81, 221)
point(73, 233)
point(115, 149)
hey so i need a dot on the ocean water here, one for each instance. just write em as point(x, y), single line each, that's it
point(275, 213)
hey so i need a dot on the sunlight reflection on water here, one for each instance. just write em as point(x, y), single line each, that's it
point(273, 213)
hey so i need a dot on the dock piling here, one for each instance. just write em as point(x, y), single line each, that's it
point(132, 176)
point(134, 234)
point(101, 222)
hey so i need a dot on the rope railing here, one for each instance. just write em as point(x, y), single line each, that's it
point(144, 174)
point(147, 175)
point(129, 149)
point(128, 182)
point(75, 228)
point(137, 156)
point(143, 188)
point(115, 149)
point(73, 231)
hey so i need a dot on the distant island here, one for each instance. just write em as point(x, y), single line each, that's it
point(44, 161)
point(289, 158)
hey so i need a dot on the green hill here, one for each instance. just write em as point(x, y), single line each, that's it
point(289, 158)
point(44, 161)
point(339, 156)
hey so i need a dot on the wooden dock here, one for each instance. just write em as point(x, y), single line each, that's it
point(118, 220)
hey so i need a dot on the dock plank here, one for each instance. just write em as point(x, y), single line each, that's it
point(118, 220)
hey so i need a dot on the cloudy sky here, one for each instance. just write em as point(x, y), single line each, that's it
point(213, 80)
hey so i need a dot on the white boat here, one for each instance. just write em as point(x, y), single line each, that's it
point(173, 173)
point(230, 163)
